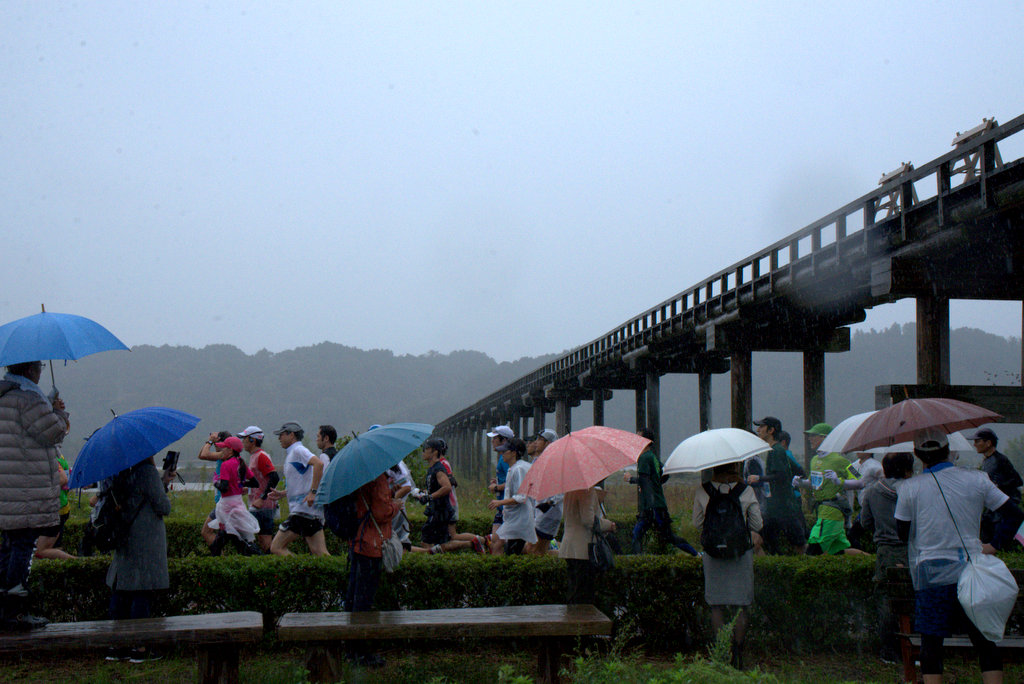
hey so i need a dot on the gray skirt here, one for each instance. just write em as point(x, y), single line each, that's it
point(729, 582)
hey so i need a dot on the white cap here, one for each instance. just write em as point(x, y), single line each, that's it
point(930, 439)
point(501, 431)
point(548, 435)
point(252, 431)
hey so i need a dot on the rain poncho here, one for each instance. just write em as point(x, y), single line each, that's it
point(234, 518)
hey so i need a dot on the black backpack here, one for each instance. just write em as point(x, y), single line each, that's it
point(725, 533)
point(341, 517)
point(113, 519)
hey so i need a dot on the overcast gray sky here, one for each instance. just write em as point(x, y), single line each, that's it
point(516, 178)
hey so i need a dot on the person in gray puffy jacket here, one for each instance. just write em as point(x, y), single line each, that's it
point(31, 427)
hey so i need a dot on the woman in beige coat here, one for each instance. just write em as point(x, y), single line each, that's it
point(579, 509)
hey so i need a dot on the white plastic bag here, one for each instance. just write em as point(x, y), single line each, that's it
point(987, 592)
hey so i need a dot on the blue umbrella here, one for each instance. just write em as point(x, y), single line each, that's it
point(127, 440)
point(47, 336)
point(367, 456)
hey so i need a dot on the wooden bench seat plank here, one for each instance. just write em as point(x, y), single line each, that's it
point(218, 628)
point(511, 621)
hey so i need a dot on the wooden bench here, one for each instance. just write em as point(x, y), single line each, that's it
point(217, 636)
point(550, 625)
point(900, 592)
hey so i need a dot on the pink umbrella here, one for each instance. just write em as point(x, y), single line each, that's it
point(899, 422)
point(580, 460)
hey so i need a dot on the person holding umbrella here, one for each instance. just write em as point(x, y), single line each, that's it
point(31, 427)
point(138, 567)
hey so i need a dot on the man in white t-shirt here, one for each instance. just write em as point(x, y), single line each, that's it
point(302, 473)
point(939, 514)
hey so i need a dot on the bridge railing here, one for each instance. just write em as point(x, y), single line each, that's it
point(843, 232)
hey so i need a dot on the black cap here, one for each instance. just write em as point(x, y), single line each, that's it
point(985, 433)
point(771, 422)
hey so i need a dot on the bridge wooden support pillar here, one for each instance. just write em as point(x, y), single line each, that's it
point(932, 340)
point(704, 399)
point(563, 416)
point(742, 389)
point(598, 407)
point(652, 402)
point(814, 396)
point(524, 426)
point(538, 418)
point(640, 402)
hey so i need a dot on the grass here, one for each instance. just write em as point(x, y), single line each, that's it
point(474, 661)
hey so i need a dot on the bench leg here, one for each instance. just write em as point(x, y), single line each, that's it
point(324, 664)
point(218, 663)
point(907, 650)
point(549, 659)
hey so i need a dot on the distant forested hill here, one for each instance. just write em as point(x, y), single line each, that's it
point(354, 388)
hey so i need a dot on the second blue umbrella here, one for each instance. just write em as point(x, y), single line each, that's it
point(127, 440)
point(367, 456)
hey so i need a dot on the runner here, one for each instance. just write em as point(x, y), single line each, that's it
point(302, 472)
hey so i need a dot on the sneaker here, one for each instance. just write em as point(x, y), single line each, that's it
point(23, 623)
point(478, 544)
point(143, 655)
point(116, 654)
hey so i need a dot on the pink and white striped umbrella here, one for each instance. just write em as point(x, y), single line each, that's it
point(580, 460)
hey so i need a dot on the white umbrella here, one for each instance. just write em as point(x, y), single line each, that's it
point(957, 443)
point(841, 433)
point(714, 448)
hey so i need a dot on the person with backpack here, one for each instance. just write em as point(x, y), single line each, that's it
point(138, 564)
point(726, 513)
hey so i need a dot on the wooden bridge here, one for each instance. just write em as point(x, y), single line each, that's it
point(950, 229)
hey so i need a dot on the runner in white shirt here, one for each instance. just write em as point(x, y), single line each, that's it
point(518, 527)
point(302, 472)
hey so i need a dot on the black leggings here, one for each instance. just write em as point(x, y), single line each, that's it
point(932, 652)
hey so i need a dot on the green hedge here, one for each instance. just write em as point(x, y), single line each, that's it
point(802, 603)
point(184, 540)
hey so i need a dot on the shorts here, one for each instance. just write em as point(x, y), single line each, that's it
point(56, 530)
point(213, 515)
point(514, 547)
point(302, 525)
point(544, 535)
point(498, 517)
point(830, 535)
point(937, 611)
point(792, 528)
point(265, 517)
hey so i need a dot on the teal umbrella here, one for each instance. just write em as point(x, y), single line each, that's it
point(368, 455)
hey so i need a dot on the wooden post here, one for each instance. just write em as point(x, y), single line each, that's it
point(599, 407)
point(523, 426)
point(653, 401)
point(742, 390)
point(641, 407)
point(932, 340)
point(814, 396)
point(704, 399)
point(538, 417)
point(563, 416)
